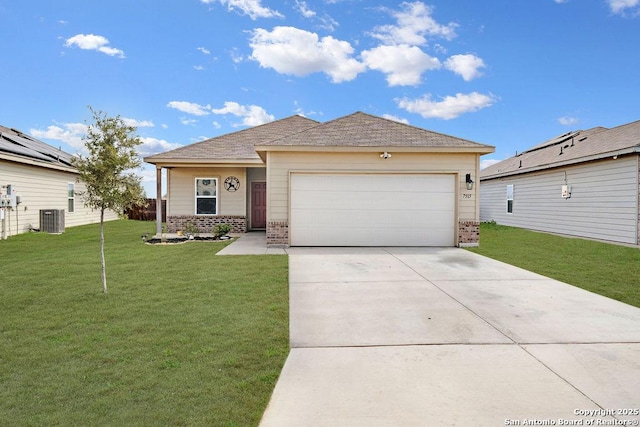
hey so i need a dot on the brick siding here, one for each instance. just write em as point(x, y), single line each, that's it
point(468, 233)
point(277, 233)
point(205, 224)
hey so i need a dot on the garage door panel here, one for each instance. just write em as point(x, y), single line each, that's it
point(372, 210)
point(373, 182)
point(375, 219)
point(417, 201)
point(365, 238)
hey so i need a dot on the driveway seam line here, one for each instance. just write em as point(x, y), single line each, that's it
point(562, 378)
point(454, 299)
point(520, 345)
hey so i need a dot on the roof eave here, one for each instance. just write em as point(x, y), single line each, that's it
point(203, 162)
point(33, 162)
point(600, 156)
point(482, 149)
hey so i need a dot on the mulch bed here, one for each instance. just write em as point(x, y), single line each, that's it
point(178, 240)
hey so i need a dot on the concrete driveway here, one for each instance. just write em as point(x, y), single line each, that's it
point(442, 336)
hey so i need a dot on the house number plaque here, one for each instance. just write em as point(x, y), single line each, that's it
point(231, 183)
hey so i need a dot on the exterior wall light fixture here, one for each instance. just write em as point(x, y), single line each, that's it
point(385, 155)
point(469, 182)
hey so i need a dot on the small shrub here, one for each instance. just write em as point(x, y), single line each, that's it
point(191, 229)
point(220, 230)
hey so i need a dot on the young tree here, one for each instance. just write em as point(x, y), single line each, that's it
point(107, 170)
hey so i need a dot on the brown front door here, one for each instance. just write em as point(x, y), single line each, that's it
point(258, 205)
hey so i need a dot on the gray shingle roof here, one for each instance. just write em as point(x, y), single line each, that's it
point(570, 148)
point(237, 145)
point(16, 143)
point(364, 130)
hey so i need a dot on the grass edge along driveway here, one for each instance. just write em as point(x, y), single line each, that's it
point(183, 338)
point(603, 268)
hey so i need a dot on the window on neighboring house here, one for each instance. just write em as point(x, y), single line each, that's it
point(71, 197)
point(206, 196)
point(510, 198)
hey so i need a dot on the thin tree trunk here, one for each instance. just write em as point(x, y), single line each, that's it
point(104, 271)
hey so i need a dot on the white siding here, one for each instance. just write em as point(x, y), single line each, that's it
point(603, 203)
point(181, 190)
point(43, 188)
point(281, 164)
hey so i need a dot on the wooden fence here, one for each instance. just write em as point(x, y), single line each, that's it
point(147, 213)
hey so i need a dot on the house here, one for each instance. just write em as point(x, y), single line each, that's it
point(39, 184)
point(583, 183)
point(358, 180)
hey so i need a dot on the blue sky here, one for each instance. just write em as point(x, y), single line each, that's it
point(509, 73)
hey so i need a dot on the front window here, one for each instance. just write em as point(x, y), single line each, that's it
point(71, 197)
point(510, 198)
point(206, 196)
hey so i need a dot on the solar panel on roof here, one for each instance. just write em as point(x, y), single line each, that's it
point(11, 147)
point(32, 148)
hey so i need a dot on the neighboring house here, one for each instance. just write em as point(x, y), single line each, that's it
point(40, 178)
point(358, 180)
point(582, 183)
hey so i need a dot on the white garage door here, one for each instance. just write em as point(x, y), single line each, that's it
point(372, 210)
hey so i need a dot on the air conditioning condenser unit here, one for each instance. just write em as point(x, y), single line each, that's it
point(52, 220)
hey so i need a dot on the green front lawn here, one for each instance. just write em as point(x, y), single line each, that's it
point(606, 269)
point(184, 337)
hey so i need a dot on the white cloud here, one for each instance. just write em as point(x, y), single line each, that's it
point(468, 66)
point(289, 50)
point(199, 138)
point(485, 163)
point(621, 6)
point(304, 10)
point(70, 133)
point(187, 121)
point(561, 1)
point(236, 56)
point(328, 23)
point(438, 48)
point(414, 25)
point(190, 108)
point(198, 67)
point(204, 50)
point(93, 42)
point(151, 146)
point(147, 173)
point(138, 123)
point(251, 8)
point(568, 121)
point(449, 107)
point(252, 115)
point(300, 111)
point(402, 64)
point(395, 118)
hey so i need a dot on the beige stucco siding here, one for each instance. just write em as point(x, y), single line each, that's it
point(181, 188)
point(43, 188)
point(281, 164)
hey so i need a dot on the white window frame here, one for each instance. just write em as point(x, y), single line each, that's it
point(197, 197)
point(71, 197)
point(510, 191)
